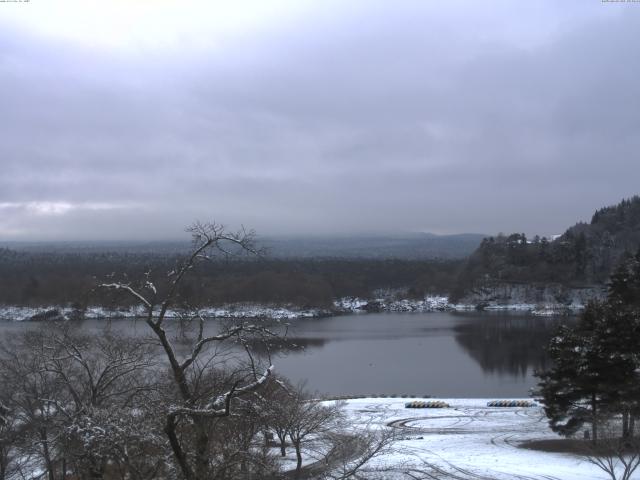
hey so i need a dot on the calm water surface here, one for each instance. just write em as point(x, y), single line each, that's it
point(438, 354)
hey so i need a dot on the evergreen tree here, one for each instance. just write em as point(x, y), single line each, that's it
point(617, 339)
point(581, 254)
point(596, 371)
point(573, 390)
point(624, 285)
point(622, 337)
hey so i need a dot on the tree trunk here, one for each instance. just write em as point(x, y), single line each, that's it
point(46, 454)
point(297, 446)
point(202, 451)
point(594, 422)
point(632, 425)
point(181, 457)
point(283, 445)
point(96, 473)
point(625, 424)
point(4, 461)
point(96, 468)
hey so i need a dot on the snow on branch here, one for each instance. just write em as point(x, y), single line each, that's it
point(221, 405)
point(232, 332)
point(130, 290)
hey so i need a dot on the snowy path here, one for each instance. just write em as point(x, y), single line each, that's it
point(469, 441)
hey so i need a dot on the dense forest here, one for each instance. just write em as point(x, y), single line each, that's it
point(46, 278)
point(585, 254)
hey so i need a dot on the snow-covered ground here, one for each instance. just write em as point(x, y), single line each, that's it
point(249, 311)
point(386, 304)
point(441, 303)
point(468, 441)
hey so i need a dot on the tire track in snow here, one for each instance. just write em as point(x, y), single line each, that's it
point(506, 438)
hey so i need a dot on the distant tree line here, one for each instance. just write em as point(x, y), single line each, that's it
point(46, 278)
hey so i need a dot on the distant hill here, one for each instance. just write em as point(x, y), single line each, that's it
point(417, 246)
point(409, 246)
point(584, 255)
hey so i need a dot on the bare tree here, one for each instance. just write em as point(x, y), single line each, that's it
point(105, 376)
point(29, 404)
point(616, 455)
point(282, 398)
point(353, 453)
point(239, 443)
point(195, 407)
point(339, 451)
point(10, 435)
point(73, 397)
point(310, 420)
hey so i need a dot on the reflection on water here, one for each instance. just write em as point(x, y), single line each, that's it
point(441, 354)
point(285, 345)
point(507, 345)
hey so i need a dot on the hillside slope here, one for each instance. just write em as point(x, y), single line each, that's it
point(580, 259)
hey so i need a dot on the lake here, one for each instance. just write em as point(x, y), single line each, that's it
point(442, 354)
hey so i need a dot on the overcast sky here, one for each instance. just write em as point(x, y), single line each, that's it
point(131, 119)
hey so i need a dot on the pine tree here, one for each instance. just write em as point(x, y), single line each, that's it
point(617, 338)
point(596, 372)
point(624, 285)
point(622, 337)
point(574, 389)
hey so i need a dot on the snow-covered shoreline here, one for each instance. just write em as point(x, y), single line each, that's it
point(442, 304)
point(17, 313)
point(253, 311)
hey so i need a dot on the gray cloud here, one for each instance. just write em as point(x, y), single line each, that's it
point(371, 117)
